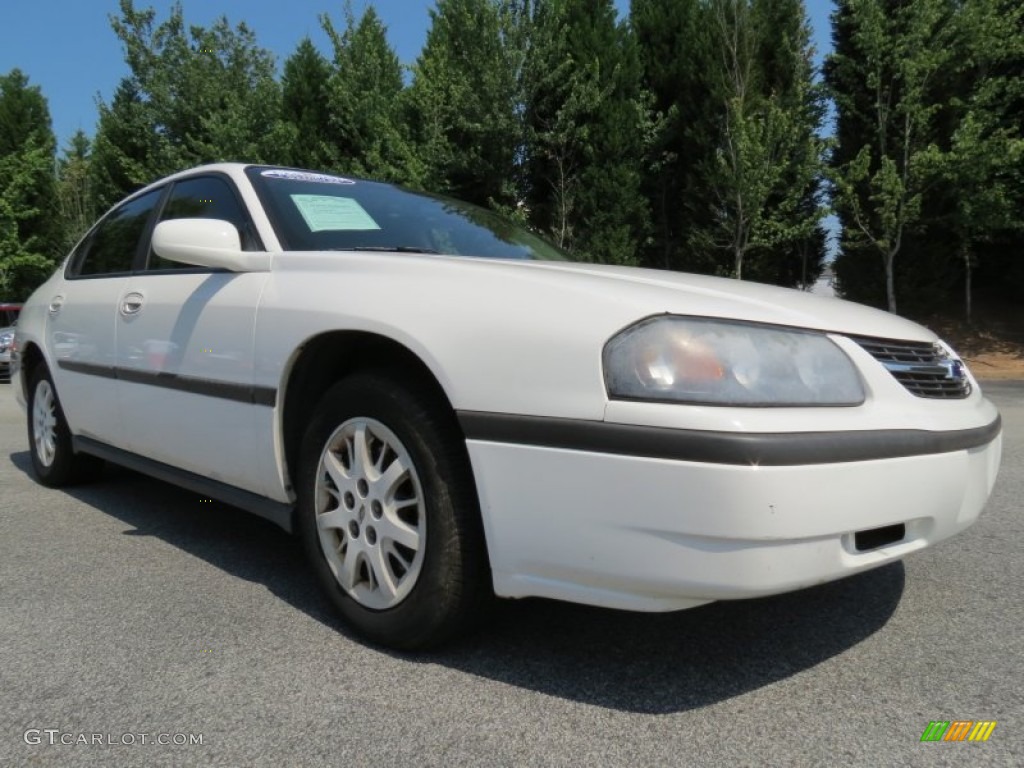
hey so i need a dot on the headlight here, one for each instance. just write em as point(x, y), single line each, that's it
point(6, 340)
point(721, 362)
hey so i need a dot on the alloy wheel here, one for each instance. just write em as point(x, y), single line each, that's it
point(44, 422)
point(370, 513)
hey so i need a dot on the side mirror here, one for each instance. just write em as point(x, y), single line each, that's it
point(206, 243)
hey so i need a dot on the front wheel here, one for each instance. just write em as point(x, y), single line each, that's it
point(388, 513)
point(53, 460)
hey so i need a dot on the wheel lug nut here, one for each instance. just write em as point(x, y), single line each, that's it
point(362, 487)
point(376, 510)
point(371, 535)
point(353, 528)
point(350, 500)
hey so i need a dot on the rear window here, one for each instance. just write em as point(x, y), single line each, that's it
point(322, 212)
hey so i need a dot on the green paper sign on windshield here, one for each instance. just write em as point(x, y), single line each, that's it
point(329, 213)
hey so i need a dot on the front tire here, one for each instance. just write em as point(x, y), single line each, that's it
point(388, 513)
point(53, 460)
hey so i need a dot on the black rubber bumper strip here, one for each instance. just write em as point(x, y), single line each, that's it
point(226, 390)
point(770, 449)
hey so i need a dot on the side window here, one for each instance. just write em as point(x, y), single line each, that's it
point(112, 246)
point(206, 197)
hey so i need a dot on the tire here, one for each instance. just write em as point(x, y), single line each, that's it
point(53, 460)
point(393, 532)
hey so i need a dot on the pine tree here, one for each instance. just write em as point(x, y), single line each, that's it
point(30, 236)
point(74, 189)
point(982, 170)
point(735, 161)
point(464, 99)
point(194, 96)
point(676, 51)
point(366, 135)
point(885, 76)
point(767, 155)
point(304, 107)
point(127, 151)
point(788, 75)
point(585, 123)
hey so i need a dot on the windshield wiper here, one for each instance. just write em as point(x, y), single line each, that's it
point(387, 249)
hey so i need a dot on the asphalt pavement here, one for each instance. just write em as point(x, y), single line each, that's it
point(134, 611)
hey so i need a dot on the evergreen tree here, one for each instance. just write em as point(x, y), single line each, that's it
point(735, 161)
point(30, 236)
point(366, 135)
point(304, 106)
point(74, 189)
point(586, 123)
point(983, 168)
point(677, 53)
point(127, 152)
point(767, 156)
point(194, 95)
point(885, 75)
point(464, 99)
point(785, 56)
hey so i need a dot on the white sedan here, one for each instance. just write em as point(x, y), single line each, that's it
point(445, 408)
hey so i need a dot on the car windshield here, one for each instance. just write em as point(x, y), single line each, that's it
point(321, 212)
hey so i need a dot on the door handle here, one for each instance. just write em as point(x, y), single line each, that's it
point(56, 303)
point(131, 304)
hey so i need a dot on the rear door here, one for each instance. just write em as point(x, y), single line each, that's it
point(82, 309)
point(185, 349)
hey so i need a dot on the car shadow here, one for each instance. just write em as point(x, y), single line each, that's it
point(634, 662)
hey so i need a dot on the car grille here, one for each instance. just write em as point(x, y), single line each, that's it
point(925, 369)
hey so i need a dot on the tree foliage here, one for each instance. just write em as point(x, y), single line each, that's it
point(74, 189)
point(195, 95)
point(687, 136)
point(364, 93)
point(304, 106)
point(734, 162)
point(30, 235)
point(585, 123)
point(926, 153)
point(465, 101)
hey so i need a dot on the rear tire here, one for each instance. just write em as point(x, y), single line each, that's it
point(54, 462)
point(388, 513)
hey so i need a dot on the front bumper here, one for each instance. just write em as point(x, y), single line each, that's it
point(656, 534)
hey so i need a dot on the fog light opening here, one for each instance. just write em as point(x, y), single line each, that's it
point(879, 537)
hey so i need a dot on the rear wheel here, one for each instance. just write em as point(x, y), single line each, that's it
point(388, 513)
point(54, 462)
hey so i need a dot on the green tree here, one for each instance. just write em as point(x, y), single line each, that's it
point(768, 155)
point(586, 123)
point(677, 52)
point(734, 163)
point(126, 151)
point(465, 99)
point(194, 95)
point(366, 133)
point(789, 77)
point(982, 167)
point(304, 107)
point(30, 236)
point(74, 189)
point(888, 60)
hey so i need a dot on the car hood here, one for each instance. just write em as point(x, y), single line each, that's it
point(610, 297)
point(657, 291)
